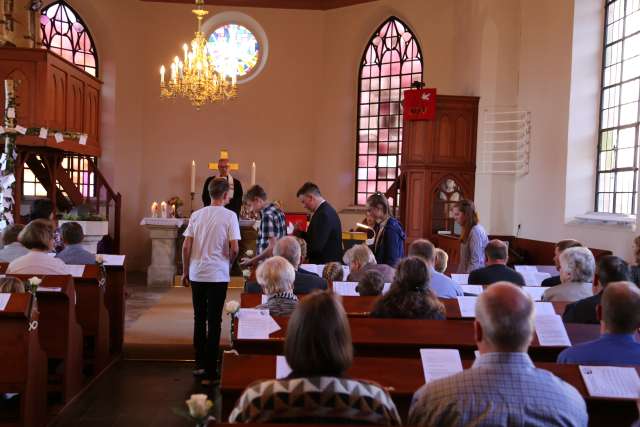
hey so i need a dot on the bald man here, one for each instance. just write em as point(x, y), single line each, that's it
point(619, 315)
point(235, 188)
point(503, 387)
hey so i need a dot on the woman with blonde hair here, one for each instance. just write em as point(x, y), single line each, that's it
point(333, 272)
point(319, 351)
point(276, 276)
point(473, 237)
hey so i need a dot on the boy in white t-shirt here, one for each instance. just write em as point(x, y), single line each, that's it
point(210, 247)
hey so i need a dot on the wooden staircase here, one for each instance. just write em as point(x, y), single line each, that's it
point(64, 193)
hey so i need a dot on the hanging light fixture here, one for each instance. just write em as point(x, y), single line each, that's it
point(196, 77)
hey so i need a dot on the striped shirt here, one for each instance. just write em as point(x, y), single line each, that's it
point(281, 304)
point(472, 251)
point(272, 224)
point(501, 389)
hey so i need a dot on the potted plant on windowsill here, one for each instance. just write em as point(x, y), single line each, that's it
point(94, 226)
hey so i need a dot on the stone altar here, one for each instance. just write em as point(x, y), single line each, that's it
point(163, 233)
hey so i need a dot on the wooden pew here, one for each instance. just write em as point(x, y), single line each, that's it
point(91, 314)
point(361, 306)
point(402, 377)
point(23, 364)
point(60, 334)
point(114, 300)
point(404, 337)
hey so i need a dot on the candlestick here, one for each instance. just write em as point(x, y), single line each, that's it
point(253, 173)
point(154, 209)
point(193, 176)
point(163, 209)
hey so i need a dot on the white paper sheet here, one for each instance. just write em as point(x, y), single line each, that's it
point(460, 279)
point(535, 292)
point(46, 289)
point(313, 268)
point(4, 300)
point(551, 331)
point(282, 367)
point(44, 133)
point(467, 306)
point(439, 363)
point(612, 382)
point(534, 278)
point(476, 353)
point(75, 270)
point(345, 288)
point(472, 289)
point(386, 287)
point(264, 298)
point(255, 324)
point(544, 309)
point(113, 260)
point(524, 269)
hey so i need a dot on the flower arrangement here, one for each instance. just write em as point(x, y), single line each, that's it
point(102, 277)
point(175, 200)
point(99, 259)
point(34, 282)
point(199, 407)
point(232, 308)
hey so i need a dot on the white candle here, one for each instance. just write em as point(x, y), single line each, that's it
point(163, 209)
point(173, 211)
point(193, 176)
point(162, 71)
point(154, 209)
point(253, 173)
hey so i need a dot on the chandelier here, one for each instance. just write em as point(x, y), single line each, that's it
point(197, 78)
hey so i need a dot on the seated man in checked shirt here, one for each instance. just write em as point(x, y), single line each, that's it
point(503, 387)
point(272, 224)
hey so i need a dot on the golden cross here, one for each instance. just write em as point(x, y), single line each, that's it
point(224, 155)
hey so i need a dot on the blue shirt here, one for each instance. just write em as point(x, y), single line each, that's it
point(609, 349)
point(443, 286)
point(76, 255)
point(500, 389)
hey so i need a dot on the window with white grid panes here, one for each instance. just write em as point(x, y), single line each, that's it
point(617, 170)
point(391, 61)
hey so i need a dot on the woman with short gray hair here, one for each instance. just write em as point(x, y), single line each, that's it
point(276, 276)
point(577, 269)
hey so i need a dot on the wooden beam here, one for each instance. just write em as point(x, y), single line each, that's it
point(69, 186)
point(40, 171)
point(275, 4)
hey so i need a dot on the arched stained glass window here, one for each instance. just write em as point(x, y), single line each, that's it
point(64, 33)
point(391, 61)
point(236, 47)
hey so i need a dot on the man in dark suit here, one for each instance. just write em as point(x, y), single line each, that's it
point(324, 236)
point(235, 187)
point(305, 282)
point(496, 270)
point(560, 246)
point(610, 269)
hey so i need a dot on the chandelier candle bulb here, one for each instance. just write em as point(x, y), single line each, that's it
point(253, 173)
point(162, 71)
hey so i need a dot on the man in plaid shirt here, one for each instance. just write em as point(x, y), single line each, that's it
point(272, 224)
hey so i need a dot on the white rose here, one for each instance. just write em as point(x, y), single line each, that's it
point(99, 259)
point(249, 252)
point(199, 405)
point(35, 281)
point(246, 273)
point(232, 307)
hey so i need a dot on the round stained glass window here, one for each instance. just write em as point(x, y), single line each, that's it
point(235, 48)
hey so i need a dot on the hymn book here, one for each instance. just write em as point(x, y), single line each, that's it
point(611, 381)
point(255, 324)
point(439, 363)
point(551, 331)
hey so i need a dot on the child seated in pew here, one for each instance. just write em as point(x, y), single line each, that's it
point(11, 285)
point(333, 272)
point(441, 260)
point(73, 252)
point(371, 284)
point(319, 351)
point(410, 296)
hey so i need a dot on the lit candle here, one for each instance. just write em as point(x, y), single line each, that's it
point(162, 71)
point(154, 209)
point(163, 209)
point(253, 173)
point(185, 47)
point(193, 176)
point(173, 211)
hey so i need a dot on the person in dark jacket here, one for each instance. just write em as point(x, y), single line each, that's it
point(496, 254)
point(324, 235)
point(610, 269)
point(388, 246)
point(304, 282)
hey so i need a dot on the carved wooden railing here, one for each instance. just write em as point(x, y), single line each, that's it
point(109, 202)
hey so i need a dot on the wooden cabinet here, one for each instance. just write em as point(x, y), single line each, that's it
point(53, 93)
point(438, 166)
